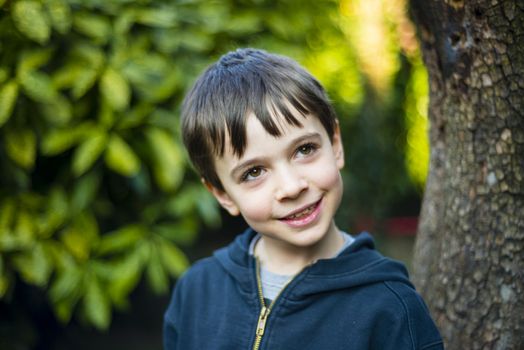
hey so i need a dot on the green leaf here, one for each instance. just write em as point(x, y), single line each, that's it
point(115, 89)
point(65, 291)
point(168, 162)
point(64, 309)
point(127, 273)
point(96, 303)
point(121, 240)
point(8, 96)
point(7, 214)
point(60, 140)
point(81, 72)
point(21, 147)
point(155, 272)
point(59, 255)
point(104, 269)
point(85, 192)
point(33, 59)
point(174, 259)
point(56, 213)
point(76, 243)
point(17, 226)
point(94, 26)
point(60, 15)
point(84, 52)
point(30, 19)
point(154, 76)
point(244, 24)
point(136, 116)
point(66, 284)
point(88, 152)
point(81, 236)
point(31, 200)
point(120, 157)
point(66, 75)
point(162, 89)
point(184, 231)
point(165, 119)
point(106, 114)
point(25, 227)
point(208, 209)
point(34, 265)
point(123, 23)
point(4, 74)
point(86, 223)
point(85, 81)
point(161, 17)
point(38, 86)
point(184, 201)
point(4, 279)
point(196, 40)
point(21, 234)
point(59, 111)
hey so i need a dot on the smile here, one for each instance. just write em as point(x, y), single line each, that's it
point(304, 216)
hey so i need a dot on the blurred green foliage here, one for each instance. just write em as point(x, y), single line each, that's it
point(375, 75)
point(96, 192)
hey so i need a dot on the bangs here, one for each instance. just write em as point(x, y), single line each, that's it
point(272, 114)
point(274, 105)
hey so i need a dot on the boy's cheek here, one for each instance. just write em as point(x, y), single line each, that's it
point(325, 175)
point(256, 211)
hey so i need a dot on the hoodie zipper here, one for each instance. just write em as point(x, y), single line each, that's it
point(265, 310)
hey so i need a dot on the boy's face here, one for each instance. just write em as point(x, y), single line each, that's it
point(287, 188)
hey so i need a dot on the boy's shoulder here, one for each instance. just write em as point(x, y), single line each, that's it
point(394, 292)
point(211, 270)
point(201, 270)
point(403, 305)
point(406, 295)
point(402, 300)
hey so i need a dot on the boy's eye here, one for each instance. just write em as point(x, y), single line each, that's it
point(252, 174)
point(306, 149)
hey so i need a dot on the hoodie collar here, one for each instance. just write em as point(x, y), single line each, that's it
point(237, 262)
point(357, 265)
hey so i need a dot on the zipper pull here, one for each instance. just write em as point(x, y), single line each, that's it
point(264, 313)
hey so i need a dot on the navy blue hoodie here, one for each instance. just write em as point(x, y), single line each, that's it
point(358, 300)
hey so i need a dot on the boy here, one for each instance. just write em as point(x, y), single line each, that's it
point(262, 134)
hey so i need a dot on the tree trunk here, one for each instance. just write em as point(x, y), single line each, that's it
point(469, 254)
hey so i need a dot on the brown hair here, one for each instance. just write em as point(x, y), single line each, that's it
point(242, 82)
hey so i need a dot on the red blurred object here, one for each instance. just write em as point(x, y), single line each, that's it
point(365, 223)
point(404, 226)
point(401, 226)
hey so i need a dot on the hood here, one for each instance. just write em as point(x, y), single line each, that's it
point(358, 265)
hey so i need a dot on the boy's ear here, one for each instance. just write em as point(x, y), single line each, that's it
point(338, 148)
point(223, 198)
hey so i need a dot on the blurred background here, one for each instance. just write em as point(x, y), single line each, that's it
point(99, 208)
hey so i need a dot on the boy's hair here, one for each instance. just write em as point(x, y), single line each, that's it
point(242, 82)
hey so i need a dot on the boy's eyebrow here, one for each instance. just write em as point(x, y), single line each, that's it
point(240, 167)
point(243, 165)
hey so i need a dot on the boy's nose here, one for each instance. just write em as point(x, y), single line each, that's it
point(290, 185)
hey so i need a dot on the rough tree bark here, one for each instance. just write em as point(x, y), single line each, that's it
point(469, 259)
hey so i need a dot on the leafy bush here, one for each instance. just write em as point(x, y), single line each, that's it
point(95, 192)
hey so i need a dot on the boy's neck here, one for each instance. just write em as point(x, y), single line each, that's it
point(280, 258)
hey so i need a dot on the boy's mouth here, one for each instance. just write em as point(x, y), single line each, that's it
point(302, 213)
point(303, 216)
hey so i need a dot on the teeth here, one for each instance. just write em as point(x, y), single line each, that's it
point(304, 212)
